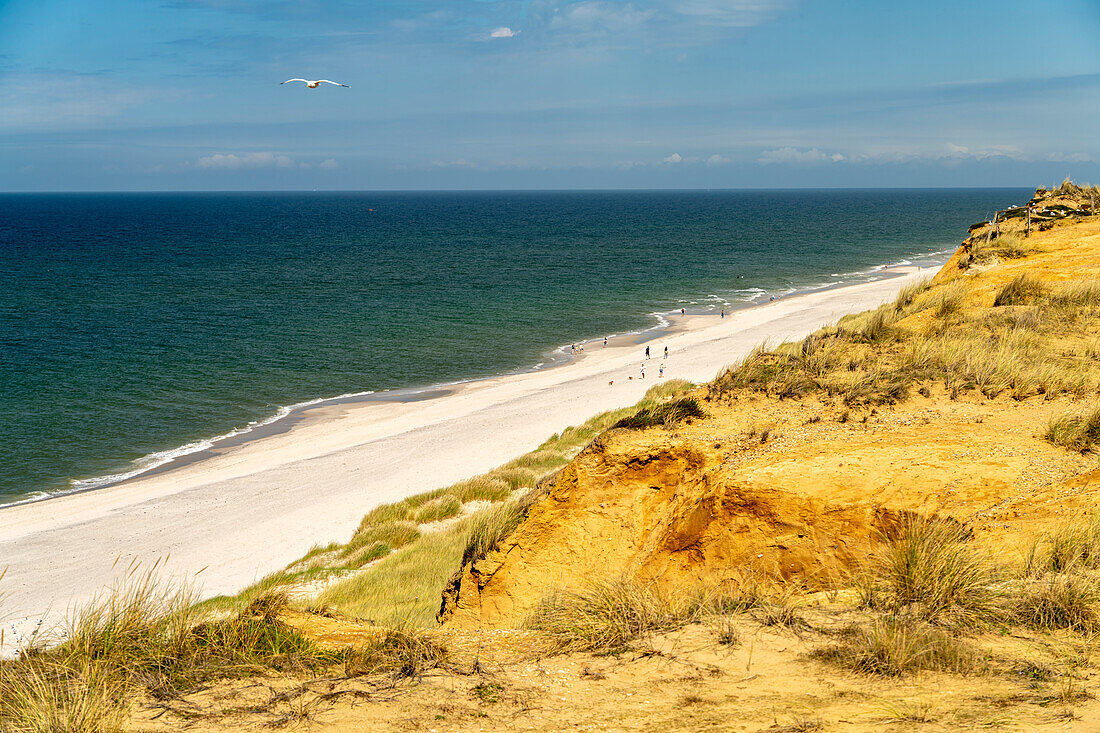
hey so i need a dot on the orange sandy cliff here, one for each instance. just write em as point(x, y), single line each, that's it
point(698, 503)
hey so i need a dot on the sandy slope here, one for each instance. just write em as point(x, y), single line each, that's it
point(255, 507)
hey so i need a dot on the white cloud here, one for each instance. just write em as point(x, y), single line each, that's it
point(600, 17)
point(232, 161)
point(456, 163)
point(674, 158)
point(328, 165)
point(55, 100)
point(718, 160)
point(789, 155)
point(502, 32)
point(962, 152)
point(1071, 158)
point(731, 13)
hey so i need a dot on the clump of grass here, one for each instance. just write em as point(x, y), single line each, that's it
point(769, 602)
point(490, 527)
point(1072, 547)
point(51, 697)
point(393, 534)
point(1007, 246)
point(1020, 290)
point(367, 554)
point(909, 293)
point(725, 630)
point(1078, 294)
point(879, 325)
point(488, 692)
point(606, 615)
point(145, 637)
point(1067, 600)
point(926, 568)
point(401, 652)
point(437, 509)
point(949, 300)
point(480, 488)
point(404, 586)
point(894, 646)
point(666, 414)
point(1075, 431)
point(516, 477)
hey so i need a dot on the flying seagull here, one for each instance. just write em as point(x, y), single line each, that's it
point(317, 83)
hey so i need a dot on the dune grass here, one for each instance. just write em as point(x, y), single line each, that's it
point(879, 357)
point(607, 614)
point(1021, 289)
point(1077, 431)
point(927, 568)
point(147, 637)
point(1063, 600)
point(400, 652)
point(666, 414)
point(893, 646)
point(1007, 246)
point(406, 586)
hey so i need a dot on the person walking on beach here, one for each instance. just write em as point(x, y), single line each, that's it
point(666, 352)
point(662, 372)
point(723, 312)
point(605, 340)
point(683, 311)
point(647, 352)
point(643, 370)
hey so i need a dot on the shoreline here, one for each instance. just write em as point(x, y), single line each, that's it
point(223, 522)
point(286, 417)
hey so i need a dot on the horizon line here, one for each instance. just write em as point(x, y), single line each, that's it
point(514, 190)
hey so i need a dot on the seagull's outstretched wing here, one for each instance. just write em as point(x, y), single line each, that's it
point(290, 80)
point(326, 81)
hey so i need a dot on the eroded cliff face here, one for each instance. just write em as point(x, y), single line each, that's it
point(801, 489)
point(706, 502)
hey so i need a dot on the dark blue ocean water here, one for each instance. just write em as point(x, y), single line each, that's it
point(132, 324)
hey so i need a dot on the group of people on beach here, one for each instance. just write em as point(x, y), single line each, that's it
point(661, 369)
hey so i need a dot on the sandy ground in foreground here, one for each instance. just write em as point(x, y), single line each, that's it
point(252, 508)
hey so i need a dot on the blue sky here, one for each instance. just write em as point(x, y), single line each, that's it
point(185, 94)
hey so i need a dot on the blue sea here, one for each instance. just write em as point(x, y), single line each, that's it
point(137, 327)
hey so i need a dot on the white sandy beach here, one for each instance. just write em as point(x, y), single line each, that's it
point(254, 507)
